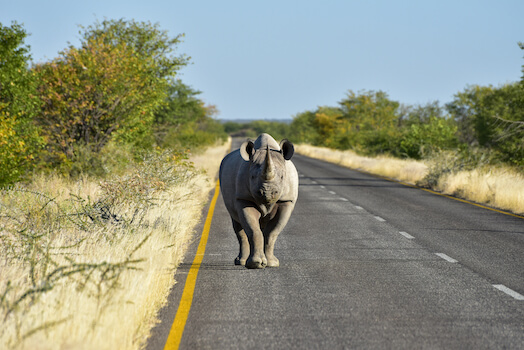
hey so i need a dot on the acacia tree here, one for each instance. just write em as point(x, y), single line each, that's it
point(302, 129)
point(185, 121)
point(469, 110)
point(492, 118)
point(109, 87)
point(19, 139)
point(371, 119)
point(506, 108)
point(182, 107)
point(330, 127)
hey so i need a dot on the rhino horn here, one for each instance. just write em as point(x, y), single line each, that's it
point(269, 172)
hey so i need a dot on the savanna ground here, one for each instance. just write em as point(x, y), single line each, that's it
point(86, 264)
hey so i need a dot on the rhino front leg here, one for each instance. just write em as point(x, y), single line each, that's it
point(243, 243)
point(250, 221)
point(273, 229)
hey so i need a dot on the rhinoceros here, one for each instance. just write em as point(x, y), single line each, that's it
point(259, 185)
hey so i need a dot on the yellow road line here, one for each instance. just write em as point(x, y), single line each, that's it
point(472, 203)
point(177, 328)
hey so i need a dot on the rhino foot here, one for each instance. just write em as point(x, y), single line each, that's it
point(256, 263)
point(239, 261)
point(273, 262)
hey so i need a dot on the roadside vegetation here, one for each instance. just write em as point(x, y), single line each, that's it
point(471, 147)
point(87, 264)
point(498, 186)
point(107, 159)
point(119, 90)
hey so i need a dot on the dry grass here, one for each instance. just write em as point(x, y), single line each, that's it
point(87, 265)
point(403, 170)
point(210, 160)
point(500, 187)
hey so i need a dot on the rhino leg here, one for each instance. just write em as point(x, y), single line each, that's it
point(249, 219)
point(273, 229)
point(243, 243)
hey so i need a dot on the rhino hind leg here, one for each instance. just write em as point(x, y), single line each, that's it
point(243, 243)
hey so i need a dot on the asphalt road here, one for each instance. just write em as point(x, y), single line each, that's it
point(366, 263)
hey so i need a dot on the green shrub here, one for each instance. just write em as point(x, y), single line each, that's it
point(19, 138)
point(423, 139)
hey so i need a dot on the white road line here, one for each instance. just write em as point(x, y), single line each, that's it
point(331, 199)
point(446, 257)
point(343, 199)
point(509, 291)
point(322, 186)
point(358, 207)
point(380, 219)
point(407, 235)
point(332, 192)
point(314, 182)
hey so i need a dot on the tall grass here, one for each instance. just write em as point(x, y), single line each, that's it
point(87, 264)
point(497, 186)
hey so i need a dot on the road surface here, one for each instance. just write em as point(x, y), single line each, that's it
point(365, 263)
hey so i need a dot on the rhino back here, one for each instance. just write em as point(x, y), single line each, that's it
point(266, 139)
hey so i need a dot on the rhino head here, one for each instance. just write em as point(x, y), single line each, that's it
point(267, 170)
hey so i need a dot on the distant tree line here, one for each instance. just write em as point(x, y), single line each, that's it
point(251, 129)
point(119, 87)
point(481, 122)
point(370, 123)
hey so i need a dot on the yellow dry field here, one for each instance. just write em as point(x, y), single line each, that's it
point(102, 288)
point(498, 187)
point(501, 188)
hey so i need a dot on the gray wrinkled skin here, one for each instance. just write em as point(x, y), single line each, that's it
point(259, 184)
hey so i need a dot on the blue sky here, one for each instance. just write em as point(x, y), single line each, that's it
point(273, 59)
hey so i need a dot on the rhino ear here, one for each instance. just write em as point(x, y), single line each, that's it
point(287, 149)
point(247, 150)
